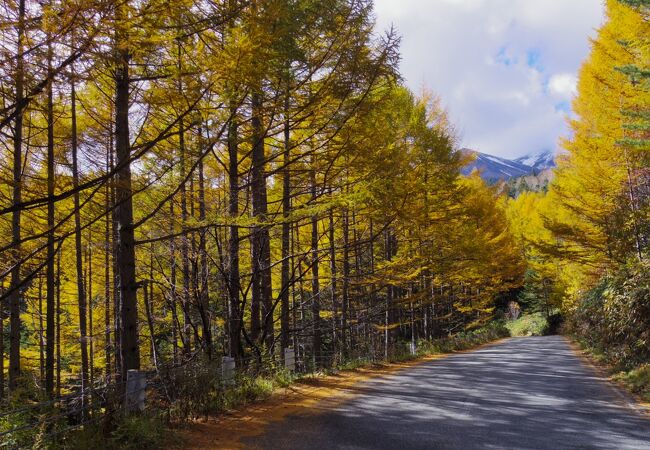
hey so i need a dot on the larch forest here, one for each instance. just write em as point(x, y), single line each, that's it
point(196, 188)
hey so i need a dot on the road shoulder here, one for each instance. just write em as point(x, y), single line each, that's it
point(308, 395)
point(605, 375)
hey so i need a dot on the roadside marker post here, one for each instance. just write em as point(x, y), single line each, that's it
point(290, 359)
point(228, 370)
point(136, 384)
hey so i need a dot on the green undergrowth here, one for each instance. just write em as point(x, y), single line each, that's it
point(464, 340)
point(534, 324)
point(137, 432)
point(249, 389)
point(612, 323)
point(637, 381)
point(152, 431)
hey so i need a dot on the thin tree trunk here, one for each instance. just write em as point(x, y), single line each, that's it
point(346, 284)
point(15, 283)
point(332, 250)
point(294, 305)
point(108, 245)
point(90, 334)
point(49, 274)
point(234, 312)
point(315, 282)
point(389, 294)
point(148, 305)
point(81, 294)
point(2, 349)
point(371, 246)
point(117, 320)
point(58, 324)
point(203, 265)
point(41, 331)
point(286, 233)
point(172, 293)
point(185, 259)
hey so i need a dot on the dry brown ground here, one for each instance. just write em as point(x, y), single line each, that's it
point(306, 396)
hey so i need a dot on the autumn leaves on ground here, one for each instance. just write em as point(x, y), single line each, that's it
point(192, 191)
point(308, 396)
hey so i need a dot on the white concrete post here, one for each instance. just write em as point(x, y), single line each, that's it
point(227, 370)
point(136, 385)
point(290, 359)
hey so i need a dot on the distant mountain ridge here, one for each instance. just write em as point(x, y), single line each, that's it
point(538, 161)
point(494, 168)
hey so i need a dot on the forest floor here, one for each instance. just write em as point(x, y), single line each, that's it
point(533, 392)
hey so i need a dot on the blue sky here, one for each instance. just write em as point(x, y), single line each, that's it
point(505, 69)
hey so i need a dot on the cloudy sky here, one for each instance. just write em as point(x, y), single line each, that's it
point(506, 69)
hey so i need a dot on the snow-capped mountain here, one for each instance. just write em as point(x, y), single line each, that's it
point(538, 161)
point(493, 168)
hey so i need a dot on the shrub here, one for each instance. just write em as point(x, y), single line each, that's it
point(637, 380)
point(529, 325)
point(614, 317)
point(464, 340)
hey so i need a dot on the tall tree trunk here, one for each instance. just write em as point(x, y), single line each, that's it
point(390, 250)
point(353, 313)
point(81, 294)
point(49, 274)
point(90, 333)
point(172, 291)
point(286, 233)
point(372, 299)
point(15, 283)
point(185, 258)
point(58, 324)
point(2, 348)
point(346, 283)
point(315, 282)
point(148, 304)
point(129, 351)
point(293, 245)
point(107, 263)
point(41, 331)
point(234, 312)
point(261, 250)
point(117, 320)
point(203, 272)
point(332, 249)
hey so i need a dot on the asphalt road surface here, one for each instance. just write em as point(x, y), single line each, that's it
point(524, 393)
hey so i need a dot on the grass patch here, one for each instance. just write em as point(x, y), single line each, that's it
point(534, 324)
point(353, 364)
point(637, 381)
point(464, 341)
point(248, 390)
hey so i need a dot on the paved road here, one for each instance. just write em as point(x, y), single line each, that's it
point(524, 393)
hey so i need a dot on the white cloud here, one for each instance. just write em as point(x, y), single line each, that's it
point(563, 85)
point(505, 68)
